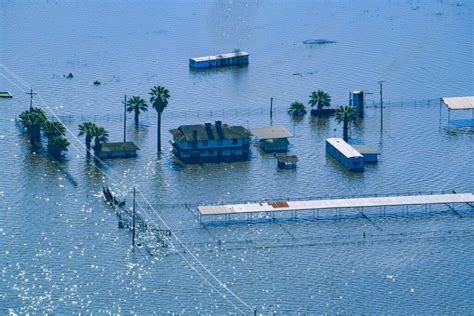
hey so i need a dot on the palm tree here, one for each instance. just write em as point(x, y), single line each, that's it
point(159, 100)
point(297, 109)
point(137, 104)
point(320, 99)
point(52, 129)
point(56, 145)
point(87, 128)
point(100, 136)
point(32, 120)
point(346, 115)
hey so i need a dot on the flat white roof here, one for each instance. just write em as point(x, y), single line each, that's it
point(459, 103)
point(214, 57)
point(270, 132)
point(343, 147)
point(336, 203)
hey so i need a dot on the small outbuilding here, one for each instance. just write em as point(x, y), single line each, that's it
point(117, 150)
point(287, 162)
point(370, 153)
point(272, 138)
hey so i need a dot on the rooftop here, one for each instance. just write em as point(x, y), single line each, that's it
point(337, 203)
point(270, 132)
point(185, 132)
point(214, 57)
point(287, 158)
point(346, 149)
point(118, 146)
point(459, 103)
point(366, 149)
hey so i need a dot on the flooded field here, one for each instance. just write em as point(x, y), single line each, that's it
point(61, 250)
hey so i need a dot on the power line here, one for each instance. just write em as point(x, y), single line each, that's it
point(149, 204)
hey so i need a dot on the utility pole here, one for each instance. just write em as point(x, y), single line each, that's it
point(350, 98)
point(381, 106)
point(31, 93)
point(125, 118)
point(134, 221)
point(271, 110)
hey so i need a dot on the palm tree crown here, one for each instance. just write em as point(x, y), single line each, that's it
point(346, 115)
point(319, 99)
point(87, 128)
point(159, 97)
point(137, 104)
point(297, 109)
point(52, 129)
point(100, 136)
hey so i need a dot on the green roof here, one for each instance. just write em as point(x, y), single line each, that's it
point(119, 146)
point(185, 132)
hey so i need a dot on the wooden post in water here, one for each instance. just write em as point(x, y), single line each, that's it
point(271, 110)
point(125, 118)
point(134, 221)
point(381, 106)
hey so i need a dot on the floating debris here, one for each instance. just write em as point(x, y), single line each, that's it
point(97, 83)
point(70, 76)
point(318, 42)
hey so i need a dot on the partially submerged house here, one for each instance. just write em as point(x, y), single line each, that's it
point(272, 138)
point(211, 143)
point(116, 150)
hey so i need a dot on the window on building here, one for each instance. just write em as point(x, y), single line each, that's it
point(234, 141)
point(219, 142)
point(204, 143)
point(211, 152)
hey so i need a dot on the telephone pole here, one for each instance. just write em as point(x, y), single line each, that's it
point(31, 94)
point(381, 106)
point(125, 118)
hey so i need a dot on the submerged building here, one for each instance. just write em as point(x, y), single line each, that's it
point(229, 59)
point(116, 150)
point(272, 138)
point(345, 154)
point(210, 143)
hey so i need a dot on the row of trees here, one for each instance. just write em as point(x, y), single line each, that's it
point(35, 121)
point(320, 99)
point(159, 99)
point(93, 131)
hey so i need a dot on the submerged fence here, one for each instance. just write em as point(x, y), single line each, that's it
point(225, 113)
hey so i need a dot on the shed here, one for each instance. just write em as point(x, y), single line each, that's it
point(287, 162)
point(272, 138)
point(370, 153)
point(117, 150)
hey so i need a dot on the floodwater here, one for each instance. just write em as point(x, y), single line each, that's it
point(61, 250)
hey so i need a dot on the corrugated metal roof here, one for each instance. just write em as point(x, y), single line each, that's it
point(338, 203)
point(270, 132)
point(343, 147)
point(459, 103)
point(214, 57)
